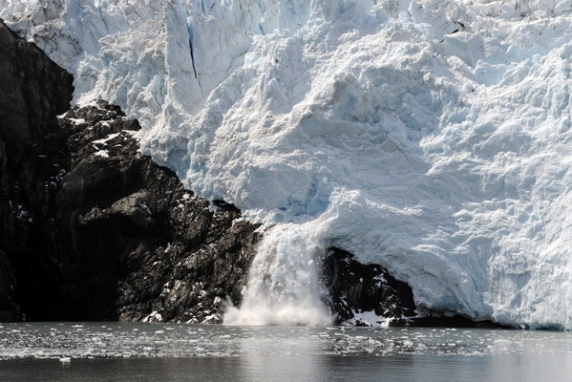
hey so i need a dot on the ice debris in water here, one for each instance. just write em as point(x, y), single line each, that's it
point(66, 344)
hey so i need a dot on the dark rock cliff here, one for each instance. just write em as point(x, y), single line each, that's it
point(121, 238)
point(92, 230)
point(33, 91)
point(357, 287)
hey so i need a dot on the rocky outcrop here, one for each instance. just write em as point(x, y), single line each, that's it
point(124, 240)
point(33, 90)
point(355, 288)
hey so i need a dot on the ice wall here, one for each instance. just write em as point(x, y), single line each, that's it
point(432, 137)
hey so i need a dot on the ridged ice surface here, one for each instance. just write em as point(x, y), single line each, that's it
point(432, 137)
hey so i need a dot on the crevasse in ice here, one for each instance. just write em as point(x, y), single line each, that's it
point(432, 137)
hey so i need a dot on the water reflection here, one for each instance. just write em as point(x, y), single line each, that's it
point(278, 352)
point(143, 352)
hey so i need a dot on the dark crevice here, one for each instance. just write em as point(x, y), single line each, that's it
point(190, 30)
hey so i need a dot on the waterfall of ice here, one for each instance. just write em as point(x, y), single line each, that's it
point(283, 286)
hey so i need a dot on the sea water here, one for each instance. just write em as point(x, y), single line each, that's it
point(171, 352)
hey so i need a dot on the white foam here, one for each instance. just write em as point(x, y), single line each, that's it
point(283, 287)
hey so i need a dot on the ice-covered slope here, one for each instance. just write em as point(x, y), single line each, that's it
point(432, 137)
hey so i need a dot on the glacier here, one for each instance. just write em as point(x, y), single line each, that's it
point(431, 137)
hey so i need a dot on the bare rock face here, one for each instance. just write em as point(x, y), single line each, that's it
point(126, 241)
point(117, 237)
point(9, 308)
point(356, 288)
point(33, 90)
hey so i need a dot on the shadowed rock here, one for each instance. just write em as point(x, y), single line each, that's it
point(355, 288)
point(33, 90)
point(125, 240)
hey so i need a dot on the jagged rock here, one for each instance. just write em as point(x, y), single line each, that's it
point(118, 237)
point(355, 287)
point(126, 240)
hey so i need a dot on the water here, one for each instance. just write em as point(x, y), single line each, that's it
point(153, 352)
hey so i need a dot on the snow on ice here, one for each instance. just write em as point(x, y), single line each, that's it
point(432, 137)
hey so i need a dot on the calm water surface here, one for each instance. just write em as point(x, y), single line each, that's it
point(152, 352)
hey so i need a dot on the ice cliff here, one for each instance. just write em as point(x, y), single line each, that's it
point(431, 137)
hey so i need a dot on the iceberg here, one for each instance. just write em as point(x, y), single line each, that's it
point(431, 137)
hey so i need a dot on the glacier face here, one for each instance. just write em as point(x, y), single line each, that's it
point(432, 137)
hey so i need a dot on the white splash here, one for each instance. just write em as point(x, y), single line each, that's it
point(284, 287)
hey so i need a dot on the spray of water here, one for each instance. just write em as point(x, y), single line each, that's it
point(283, 286)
